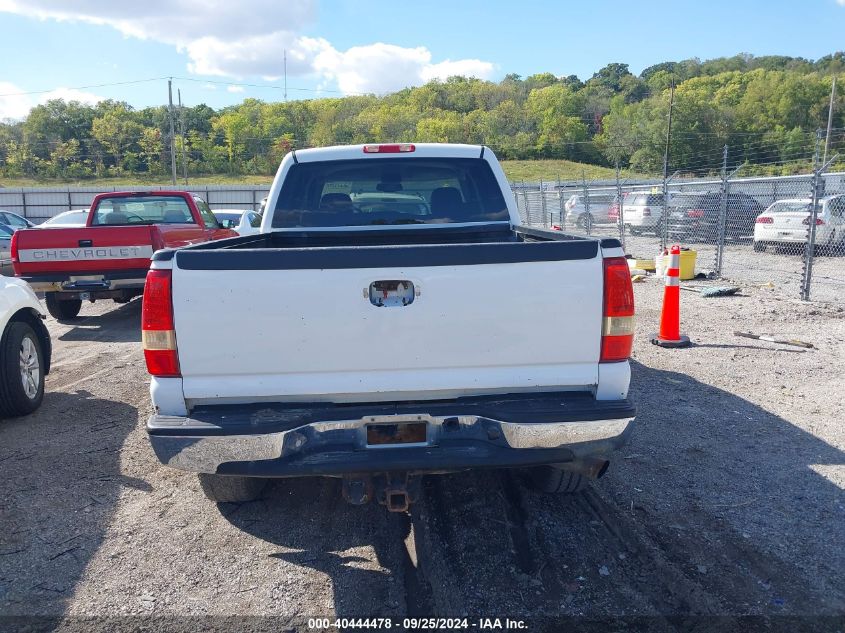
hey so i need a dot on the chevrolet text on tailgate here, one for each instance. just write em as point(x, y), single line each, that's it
point(109, 257)
point(394, 319)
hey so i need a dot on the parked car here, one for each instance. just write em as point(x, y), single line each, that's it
point(390, 339)
point(785, 223)
point(6, 250)
point(108, 258)
point(576, 209)
point(694, 217)
point(641, 212)
point(242, 221)
point(25, 349)
point(14, 220)
point(75, 217)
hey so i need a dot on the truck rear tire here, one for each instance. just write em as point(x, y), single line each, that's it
point(21, 370)
point(550, 479)
point(62, 309)
point(225, 489)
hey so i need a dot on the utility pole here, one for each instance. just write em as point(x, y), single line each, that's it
point(182, 136)
point(172, 131)
point(664, 229)
point(286, 74)
point(829, 119)
point(669, 131)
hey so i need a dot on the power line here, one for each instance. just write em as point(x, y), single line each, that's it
point(116, 83)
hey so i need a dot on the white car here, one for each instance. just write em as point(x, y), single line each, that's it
point(74, 218)
point(242, 221)
point(577, 214)
point(641, 212)
point(24, 349)
point(785, 223)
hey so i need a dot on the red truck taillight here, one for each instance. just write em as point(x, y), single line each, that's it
point(13, 249)
point(157, 331)
point(617, 333)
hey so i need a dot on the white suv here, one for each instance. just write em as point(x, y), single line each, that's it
point(641, 212)
point(24, 349)
point(599, 208)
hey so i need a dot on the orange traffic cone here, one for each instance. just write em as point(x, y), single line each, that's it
point(670, 317)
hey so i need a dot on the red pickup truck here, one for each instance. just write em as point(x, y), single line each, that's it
point(108, 258)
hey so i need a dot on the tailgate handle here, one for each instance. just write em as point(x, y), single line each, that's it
point(84, 243)
point(391, 293)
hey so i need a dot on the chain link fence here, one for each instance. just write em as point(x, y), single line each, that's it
point(782, 232)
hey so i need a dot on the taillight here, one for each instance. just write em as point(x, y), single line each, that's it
point(13, 248)
point(695, 213)
point(617, 335)
point(556, 227)
point(395, 148)
point(764, 220)
point(646, 212)
point(819, 221)
point(157, 331)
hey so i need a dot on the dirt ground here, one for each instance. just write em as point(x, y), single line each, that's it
point(728, 502)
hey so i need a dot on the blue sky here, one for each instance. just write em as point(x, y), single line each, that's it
point(350, 46)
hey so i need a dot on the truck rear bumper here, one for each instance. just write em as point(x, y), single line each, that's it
point(87, 281)
point(334, 440)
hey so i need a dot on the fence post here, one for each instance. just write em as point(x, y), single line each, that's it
point(620, 218)
point(23, 199)
point(817, 184)
point(588, 224)
point(526, 205)
point(69, 200)
point(543, 204)
point(664, 217)
point(559, 204)
point(723, 216)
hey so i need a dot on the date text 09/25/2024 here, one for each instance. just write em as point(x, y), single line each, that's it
point(436, 624)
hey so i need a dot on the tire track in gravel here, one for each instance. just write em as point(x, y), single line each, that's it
point(534, 554)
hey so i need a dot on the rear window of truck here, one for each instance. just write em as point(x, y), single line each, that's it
point(142, 210)
point(382, 191)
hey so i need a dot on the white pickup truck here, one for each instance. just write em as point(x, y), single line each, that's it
point(393, 318)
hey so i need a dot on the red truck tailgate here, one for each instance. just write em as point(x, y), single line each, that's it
point(85, 249)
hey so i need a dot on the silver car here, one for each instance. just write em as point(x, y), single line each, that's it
point(6, 250)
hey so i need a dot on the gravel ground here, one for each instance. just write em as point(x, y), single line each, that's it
point(727, 502)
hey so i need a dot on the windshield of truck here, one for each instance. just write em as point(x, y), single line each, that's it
point(390, 191)
point(142, 210)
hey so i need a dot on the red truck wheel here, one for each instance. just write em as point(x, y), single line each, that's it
point(64, 309)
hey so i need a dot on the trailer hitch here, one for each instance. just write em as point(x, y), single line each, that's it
point(395, 490)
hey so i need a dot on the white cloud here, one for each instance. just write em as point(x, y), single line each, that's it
point(221, 40)
point(17, 106)
point(384, 67)
point(13, 105)
point(234, 89)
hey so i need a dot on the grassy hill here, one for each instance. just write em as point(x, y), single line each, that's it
point(516, 170)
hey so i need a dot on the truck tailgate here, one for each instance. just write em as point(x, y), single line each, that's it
point(94, 249)
point(300, 332)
